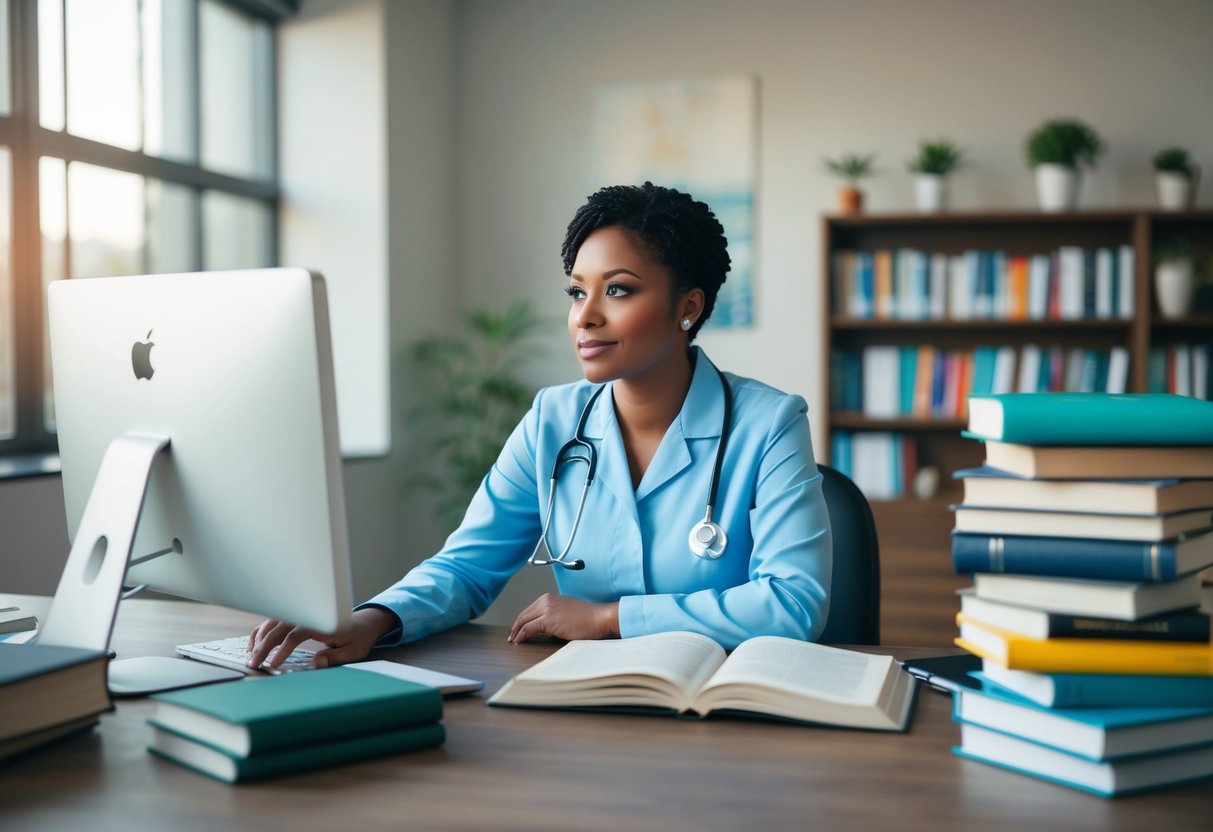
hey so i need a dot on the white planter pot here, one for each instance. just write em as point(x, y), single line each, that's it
point(1175, 190)
point(930, 192)
point(1173, 286)
point(1057, 187)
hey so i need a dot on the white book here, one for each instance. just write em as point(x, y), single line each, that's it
point(1144, 527)
point(1200, 371)
point(1083, 596)
point(1103, 283)
point(1073, 370)
point(881, 382)
point(1118, 370)
point(1126, 277)
point(872, 464)
point(1004, 370)
point(1038, 286)
point(960, 300)
point(939, 286)
point(1070, 277)
point(1183, 369)
point(1029, 369)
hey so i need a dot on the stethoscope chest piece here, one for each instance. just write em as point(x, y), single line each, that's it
point(707, 540)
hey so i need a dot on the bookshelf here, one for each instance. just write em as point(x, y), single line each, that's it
point(1113, 336)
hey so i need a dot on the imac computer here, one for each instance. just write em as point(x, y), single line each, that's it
point(197, 428)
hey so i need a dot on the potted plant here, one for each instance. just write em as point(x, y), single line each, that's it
point(1174, 280)
point(851, 167)
point(1176, 177)
point(935, 160)
point(476, 399)
point(1055, 151)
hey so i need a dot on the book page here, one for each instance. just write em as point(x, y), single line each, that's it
point(805, 668)
point(678, 661)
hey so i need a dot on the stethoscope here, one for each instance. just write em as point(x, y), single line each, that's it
point(706, 538)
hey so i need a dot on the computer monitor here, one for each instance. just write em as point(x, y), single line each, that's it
point(197, 424)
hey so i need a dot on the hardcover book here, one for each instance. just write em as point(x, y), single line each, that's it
point(1105, 778)
point(1186, 625)
point(1070, 462)
point(253, 716)
point(1077, 557)
point(1092, 419)
point(1083, 655)
point(42, 686)
point(688, 674)
point(231, 768)
point(1150, 527)
point(1102, 599)
point(1101, 690)
point(992, 488)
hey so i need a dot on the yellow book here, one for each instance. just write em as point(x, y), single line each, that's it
point(1084, 655)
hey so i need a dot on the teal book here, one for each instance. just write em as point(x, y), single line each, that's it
point(234, 769)
point(1086, 419)
point(253, 716)
point(1106, 778)
point(1098, 690)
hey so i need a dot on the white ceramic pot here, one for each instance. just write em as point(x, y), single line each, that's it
point(930, 192)
point(1173, 287)
point(1175, 190)
point(1057, 187)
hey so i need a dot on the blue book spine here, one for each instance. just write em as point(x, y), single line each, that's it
point(1114, 560)
point(1098, 690)
point(908, 373)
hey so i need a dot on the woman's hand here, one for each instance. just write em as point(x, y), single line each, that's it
point(566, 618)
point(273, 641)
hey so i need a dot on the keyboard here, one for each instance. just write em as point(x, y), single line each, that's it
point(231, 652)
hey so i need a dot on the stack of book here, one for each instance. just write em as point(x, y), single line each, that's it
point(1086, 533)
point(265, 727)
point(48, 693)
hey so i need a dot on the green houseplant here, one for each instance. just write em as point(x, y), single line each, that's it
point(1055, 151)
point(474, 399)
point(851, 167)
point(931, 166)
point(1175, 178)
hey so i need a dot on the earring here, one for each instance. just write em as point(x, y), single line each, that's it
point(686, 324)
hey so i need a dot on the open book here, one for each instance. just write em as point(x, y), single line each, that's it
point(690, 675)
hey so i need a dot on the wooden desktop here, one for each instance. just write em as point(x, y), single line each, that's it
point(549, 770)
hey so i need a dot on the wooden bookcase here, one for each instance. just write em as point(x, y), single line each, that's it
point(938, 442)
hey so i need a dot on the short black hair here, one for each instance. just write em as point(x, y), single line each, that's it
point(682, 233)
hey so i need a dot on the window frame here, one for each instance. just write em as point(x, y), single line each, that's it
point(28, 141)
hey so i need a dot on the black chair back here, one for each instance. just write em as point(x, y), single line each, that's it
point(855, 589)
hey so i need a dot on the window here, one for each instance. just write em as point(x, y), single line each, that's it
point(136, 136)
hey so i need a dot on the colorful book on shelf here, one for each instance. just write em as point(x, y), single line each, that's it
point(43, 686)
point(1101, 690)
point(1094, 733)
point(1084, 655)
point(1132, 419)
point(1106, 778)
point(986, 486)
point(1079, 557)
point(231, 768)
point(1087, 596)
point(1185, 625)
point(689, 675)
point(254, 716)
point(1139, 527)
point(1100, 462)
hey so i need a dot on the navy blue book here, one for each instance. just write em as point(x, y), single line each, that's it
point(1072, 557)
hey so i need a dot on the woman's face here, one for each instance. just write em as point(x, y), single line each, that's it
point(623, 320)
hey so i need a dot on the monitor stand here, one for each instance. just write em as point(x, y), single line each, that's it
point(85, 604)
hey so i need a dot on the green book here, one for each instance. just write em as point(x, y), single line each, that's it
point(1137, 419)
point(252, 716)
point(233, 769)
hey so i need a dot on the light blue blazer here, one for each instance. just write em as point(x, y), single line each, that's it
point(773, 579)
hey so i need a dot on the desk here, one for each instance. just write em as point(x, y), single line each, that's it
point(547, 770)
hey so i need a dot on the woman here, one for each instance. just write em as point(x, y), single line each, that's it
point(644, 264)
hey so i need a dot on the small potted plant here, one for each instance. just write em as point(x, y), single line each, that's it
point(1174, 279)
point(851, 167)
point(1055, 151)
point(935, 160)
point(1176, 176)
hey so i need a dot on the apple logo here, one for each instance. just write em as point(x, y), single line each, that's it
point(141, 358)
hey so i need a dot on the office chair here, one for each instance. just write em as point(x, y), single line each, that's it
point(855, 589)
